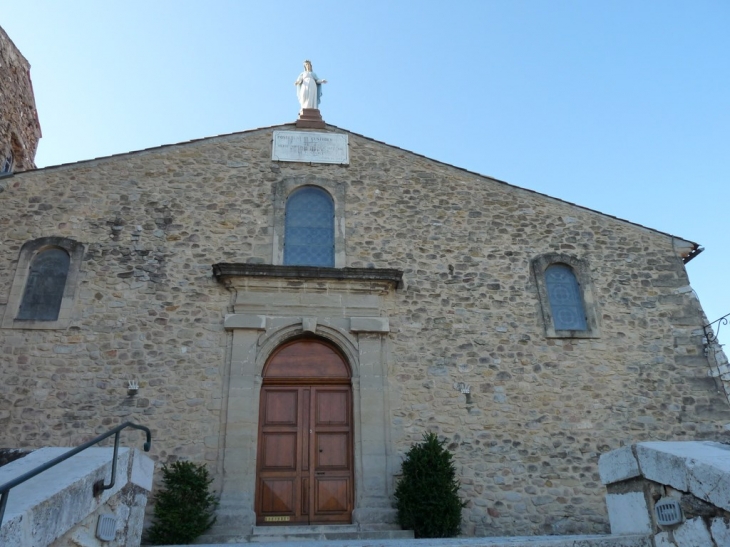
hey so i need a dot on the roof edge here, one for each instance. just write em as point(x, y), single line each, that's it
point(464, 170)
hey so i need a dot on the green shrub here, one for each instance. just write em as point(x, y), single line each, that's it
point(185, 507)
point(427, 494)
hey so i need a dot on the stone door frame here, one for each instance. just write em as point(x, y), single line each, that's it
point(352, 319)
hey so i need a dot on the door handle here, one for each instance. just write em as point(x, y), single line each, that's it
point(320, 472)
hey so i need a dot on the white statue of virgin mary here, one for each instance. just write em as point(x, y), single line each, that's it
point(309, 88)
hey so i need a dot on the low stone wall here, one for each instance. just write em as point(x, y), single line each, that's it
point(689, 481)
point(57, 508)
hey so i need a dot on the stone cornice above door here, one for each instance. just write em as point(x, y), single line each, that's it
point(228, 272)
point(304, 291)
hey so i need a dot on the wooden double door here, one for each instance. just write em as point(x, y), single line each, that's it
point(304, 464)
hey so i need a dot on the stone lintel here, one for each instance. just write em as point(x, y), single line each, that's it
point(369, 324)
point(244, 321)
point(224, 271)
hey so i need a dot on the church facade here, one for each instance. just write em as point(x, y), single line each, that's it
point(297, 322)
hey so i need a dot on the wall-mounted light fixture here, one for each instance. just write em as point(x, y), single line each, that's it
point(132, 388)
point(465, 389)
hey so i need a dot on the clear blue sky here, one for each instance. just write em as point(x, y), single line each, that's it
point(619, 106)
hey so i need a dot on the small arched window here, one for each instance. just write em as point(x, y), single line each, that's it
point(45, 286)
point(309, 231)
point(564, 295)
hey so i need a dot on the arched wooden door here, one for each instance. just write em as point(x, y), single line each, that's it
point(304, 469)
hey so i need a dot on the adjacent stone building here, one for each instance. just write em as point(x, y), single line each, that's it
point(298, 305)
point(19, 127)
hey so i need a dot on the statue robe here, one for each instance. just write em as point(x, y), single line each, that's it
point(309, 92)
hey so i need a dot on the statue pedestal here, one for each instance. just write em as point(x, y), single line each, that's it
point(310, 118)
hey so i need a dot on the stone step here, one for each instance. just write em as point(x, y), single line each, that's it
point(525, 541)
point(308, 533)
point(315, 533)
point(332, 535)
point(309, 529)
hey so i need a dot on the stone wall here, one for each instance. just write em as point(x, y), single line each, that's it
point(676, 492)
point(540, 410)
point(58, 508)
point(19, 126)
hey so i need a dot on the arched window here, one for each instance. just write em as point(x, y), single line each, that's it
point(309, 231)
point(564, 295)
point(45, 286)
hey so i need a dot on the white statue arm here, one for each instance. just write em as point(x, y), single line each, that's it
point(321, 81)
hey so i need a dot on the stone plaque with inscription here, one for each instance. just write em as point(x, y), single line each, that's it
point(310, 146)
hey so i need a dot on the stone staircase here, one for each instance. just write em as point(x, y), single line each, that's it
point(59, 507)
point(351, 536)
point(270, 534)
point(296, 534)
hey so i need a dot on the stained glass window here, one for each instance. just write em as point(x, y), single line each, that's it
point(45, 286)
point(309, 232)
point(566, 303)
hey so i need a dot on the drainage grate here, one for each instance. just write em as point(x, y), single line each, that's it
point(106, 528)
point(668, 512)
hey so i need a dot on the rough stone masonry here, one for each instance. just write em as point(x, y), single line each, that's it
point(541, 409)
point(19, 126)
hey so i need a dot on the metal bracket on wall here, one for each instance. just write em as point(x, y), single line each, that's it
point(710, 334)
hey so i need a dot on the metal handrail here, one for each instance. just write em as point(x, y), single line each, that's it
point(99, 485)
